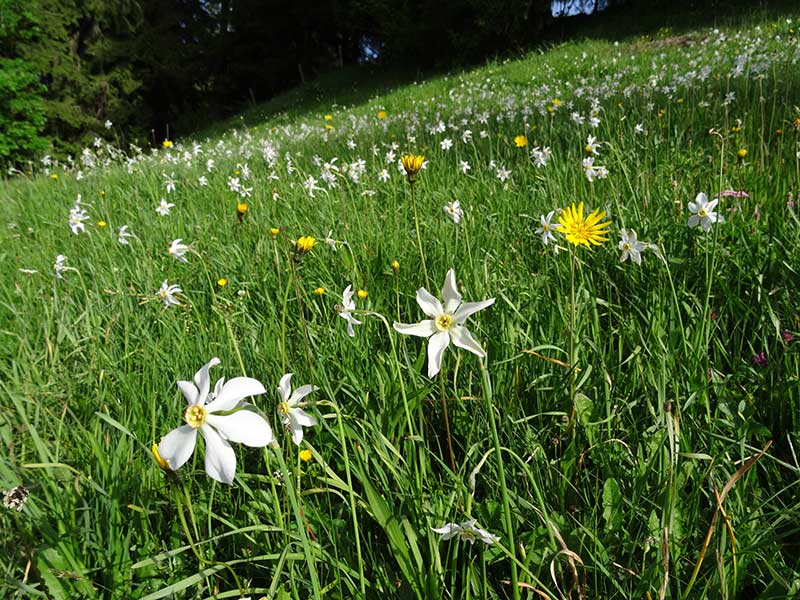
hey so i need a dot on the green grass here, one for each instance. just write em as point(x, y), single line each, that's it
point(601, 478)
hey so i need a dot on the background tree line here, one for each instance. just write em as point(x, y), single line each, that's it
point(157, 68)
point(165, 68)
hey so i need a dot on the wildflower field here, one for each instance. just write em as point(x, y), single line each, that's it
point(529, 331)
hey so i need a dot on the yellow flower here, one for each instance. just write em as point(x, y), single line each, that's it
point(319, 291)
point(329, 117)
point(222, 282)
point(661, 112)
point(583, 230)
point(305, 455)
point(305, 244)
point(550, 109)
point(329, 127)
point(102, 194)
point(520, 141)
point(412, 163)
point(396, 266)
point(362, 294)
point(274, 231)
point(159, 461)
point(241, 208)
point(167, 143)
point(556, 101)
point(382, 114)
point(741, 153)
point(54, 177)
point(101, 223)
point(679, 100)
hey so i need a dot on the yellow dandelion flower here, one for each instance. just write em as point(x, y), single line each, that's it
point(274, 231)
point(556, 101)
point(329, 117)
point(412, 163)
point(396, 266)
point(382, 115)
point(583, 230)
point(101, 223)
point(305, 455)
point(520, 141)
point(167, 143)
point(362, 294)
point(329, 127)
point(305, 244)
point(319, 291)
point(741, 153)
point(222, 282)
point(241, 208)
point(679, 100)
point(54, 177)
point(550, 109)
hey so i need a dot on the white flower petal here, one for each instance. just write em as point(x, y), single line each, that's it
point(693, 221)
point(220, 458)
point(234, 391)
point(218, 386)
point(421, 329)
point(429, 305)
point(450, 293)
point(297, 432)
point(243, 427)
point(301, 417)
point(177, 446)
point(189, 391)
point(285, 386)
point(462, 338)
point(302, 392)
point(470, 308)
point(436, 347)
point(203, 381)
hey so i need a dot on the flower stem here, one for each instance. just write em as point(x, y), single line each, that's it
point(301, 525)
point(501, 475)
point(419, 238)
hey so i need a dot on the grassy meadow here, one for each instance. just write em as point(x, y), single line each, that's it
point(610, 429)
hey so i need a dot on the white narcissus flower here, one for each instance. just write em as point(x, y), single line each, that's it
point(546, 228)
point(178, 250)
point(347, 306)
point(467, 532)
point(703, 212)
point(123, 235)
point(631, 247)
point(290, 408)
point(167, 294)
point(237, 424)
point(163, 208)
point(446, 323)
point(454, 210)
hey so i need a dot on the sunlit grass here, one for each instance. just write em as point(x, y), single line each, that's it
point(618, 407)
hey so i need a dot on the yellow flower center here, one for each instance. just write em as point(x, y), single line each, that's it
point(195, 416)
point(444, 322)
point(283, 408)
point(626, 247)
point(702, 213)
point(162, 293)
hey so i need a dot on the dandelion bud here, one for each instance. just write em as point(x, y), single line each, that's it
point(396, 266)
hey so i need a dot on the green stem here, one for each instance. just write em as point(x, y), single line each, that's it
point(301, 525)
point(419, 238)
point(487, 395)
